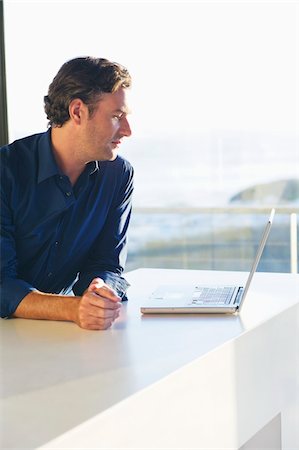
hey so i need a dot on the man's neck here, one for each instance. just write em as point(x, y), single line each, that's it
point(64, 150)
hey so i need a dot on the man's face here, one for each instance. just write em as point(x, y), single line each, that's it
point(106, 127)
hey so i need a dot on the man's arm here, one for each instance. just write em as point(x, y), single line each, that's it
point(96, 309)
point(108, 254)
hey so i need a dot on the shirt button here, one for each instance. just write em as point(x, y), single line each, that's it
point(50, 274)
point(68, 194)
point(56, 243)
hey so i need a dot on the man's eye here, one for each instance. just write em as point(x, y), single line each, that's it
point(118, 116)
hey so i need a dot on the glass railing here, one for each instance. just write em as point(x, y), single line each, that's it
point(216, 238)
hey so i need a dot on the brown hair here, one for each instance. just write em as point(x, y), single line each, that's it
point(86, 78)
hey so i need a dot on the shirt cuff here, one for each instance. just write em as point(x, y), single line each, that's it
point(119, 284)
point(115, 281)
point(12, 293)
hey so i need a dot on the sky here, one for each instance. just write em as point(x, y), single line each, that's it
point(196, 66)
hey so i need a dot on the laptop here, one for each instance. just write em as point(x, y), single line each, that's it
point(201, 298)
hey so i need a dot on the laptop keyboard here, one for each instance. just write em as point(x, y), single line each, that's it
point(215, 295)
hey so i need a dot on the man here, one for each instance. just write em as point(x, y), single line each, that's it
point(66, 202)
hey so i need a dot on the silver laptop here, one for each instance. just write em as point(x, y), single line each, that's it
point(204, 299)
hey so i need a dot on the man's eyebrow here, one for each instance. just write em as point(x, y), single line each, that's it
point(123, 111)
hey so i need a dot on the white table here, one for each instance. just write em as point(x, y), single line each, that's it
point(165, 381)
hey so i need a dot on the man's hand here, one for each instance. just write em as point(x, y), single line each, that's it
point(98, 307)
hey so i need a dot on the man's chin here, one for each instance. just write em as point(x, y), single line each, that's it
point(113, 155)
point(110, 154)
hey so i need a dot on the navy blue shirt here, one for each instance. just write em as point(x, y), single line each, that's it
point(56, 237)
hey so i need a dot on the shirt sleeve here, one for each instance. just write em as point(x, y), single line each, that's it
point(12, 289)
point(108, 255)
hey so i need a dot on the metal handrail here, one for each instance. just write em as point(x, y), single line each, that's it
point(293, 243)
point(217, 209)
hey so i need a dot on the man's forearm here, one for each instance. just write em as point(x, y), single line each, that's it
point(96, 309)
point(38, 305)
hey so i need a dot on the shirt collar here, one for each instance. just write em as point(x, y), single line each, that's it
point(47, 166)
point(94, 166)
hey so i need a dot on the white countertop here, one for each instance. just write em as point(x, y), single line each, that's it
point(55, 375)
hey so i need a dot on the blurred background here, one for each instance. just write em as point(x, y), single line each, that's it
point(215, 117)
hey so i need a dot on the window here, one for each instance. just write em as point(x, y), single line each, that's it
point(215, 115)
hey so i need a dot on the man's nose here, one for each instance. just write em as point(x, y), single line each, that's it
point(125, 127)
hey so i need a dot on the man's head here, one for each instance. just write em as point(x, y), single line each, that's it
point(85, 78)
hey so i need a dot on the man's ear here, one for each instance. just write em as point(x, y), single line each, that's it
point(76, 110)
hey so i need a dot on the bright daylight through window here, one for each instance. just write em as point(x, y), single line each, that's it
point(215, 116)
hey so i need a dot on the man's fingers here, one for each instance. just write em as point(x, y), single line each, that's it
point(94, 305)
point(103, 302)
point(102, 313)
point(92, 323)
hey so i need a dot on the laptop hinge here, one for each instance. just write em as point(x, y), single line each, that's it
point(239, 296)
